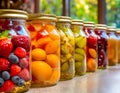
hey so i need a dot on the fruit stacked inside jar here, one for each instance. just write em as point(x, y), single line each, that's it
point(45, 50)
point(112, 47)
point(100, 31)
point(14, 52)
point(91, 48)
point(66, 48)
point(80, 47)
point(118, 37)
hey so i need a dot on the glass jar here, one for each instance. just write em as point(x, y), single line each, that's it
point(45, 53)
point(91, 48)
point(102, 44)
point(112, 47)
point(67, 48)
point(14, 52)
point(118, 38)
point(80, 47)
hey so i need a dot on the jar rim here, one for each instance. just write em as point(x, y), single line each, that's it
point(42, 16)
point(77, 22)
point(13, 13)
point(89, 24)
point(111, 29)
point(63, 19)
point(101, 26)
point(118, 30)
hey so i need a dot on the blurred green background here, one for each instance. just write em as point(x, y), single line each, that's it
point(84, 9)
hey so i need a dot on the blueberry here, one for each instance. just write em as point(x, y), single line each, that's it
point(13, 58)
point(21, 82)
point(5, 75)
point(15, 79)
point(1, 82)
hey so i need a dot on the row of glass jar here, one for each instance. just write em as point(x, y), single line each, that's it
point(58, 48)
point(82, 47)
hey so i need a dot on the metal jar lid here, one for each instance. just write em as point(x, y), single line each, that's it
point(77, 22)
point(11, 13)
point(64, 19)
point(111, 29)
point(101, 26)
point(40, 16)
point(89, 24)
point(118, 30)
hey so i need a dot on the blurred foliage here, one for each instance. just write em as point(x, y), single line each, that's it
point(80, 9)
point(84, 9)
point(51, 6)
point(113, 12)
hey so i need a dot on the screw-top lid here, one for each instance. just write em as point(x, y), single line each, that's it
point(40, 16)
point(63, 19)
point(77, 22)
point(11, 13)
point(118, 30)
point(89, 24)
point(111, 28)
point(101, 26)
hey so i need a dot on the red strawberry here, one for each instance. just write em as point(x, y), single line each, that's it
point(24, 62)
point(7, 87)
point(24, 74)
point(5, 47)
point(15, 70)
point(21, 41)
point(4, 64)
point(20, 52)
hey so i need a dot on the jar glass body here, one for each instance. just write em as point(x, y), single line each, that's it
point(91, 49)
point(45, 53)
point(80, 49)
point(66, 51)
point(112, 48)
point(118, 53)
point(102, 48)
point(14, 56)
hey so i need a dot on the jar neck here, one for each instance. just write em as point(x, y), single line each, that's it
point(88, 29)
point(8, 23)
point(61, 25)
point(77, 28)
point(110, 32)
point(43, 22)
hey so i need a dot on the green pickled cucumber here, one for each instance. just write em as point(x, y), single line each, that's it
point(65, 67)
point(79, 57)
point(81, 43)
point(80, 51)
point(78, 65)
point(78, 39)
point(80, 68)
point(75, 29)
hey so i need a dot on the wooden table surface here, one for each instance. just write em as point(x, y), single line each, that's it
point(104, 81)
